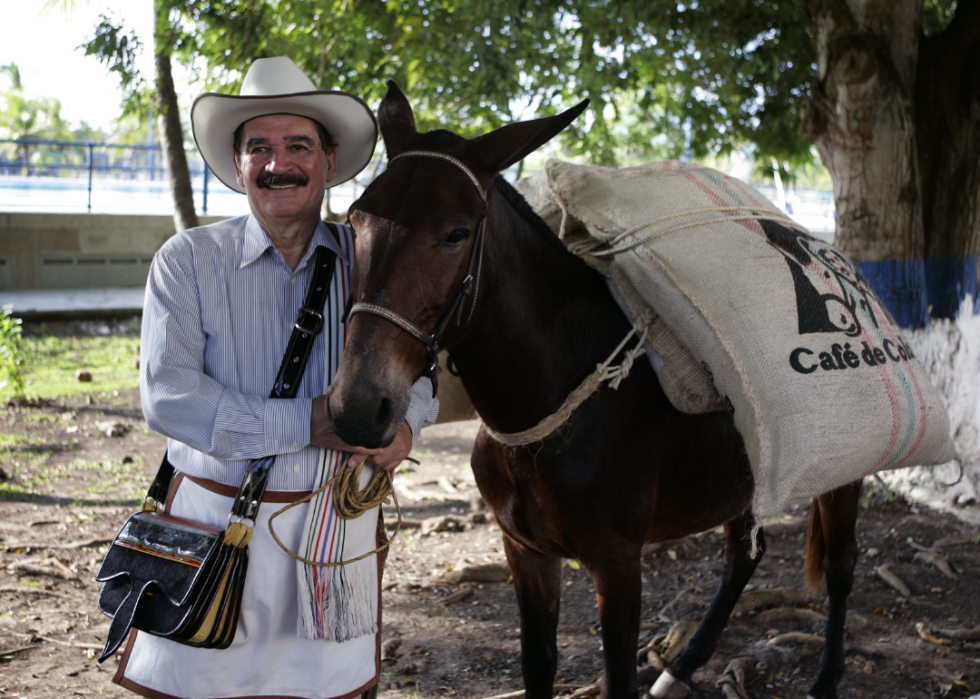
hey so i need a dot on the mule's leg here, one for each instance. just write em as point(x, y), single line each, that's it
point(833, 518)
point(739, 566)
point(537, 582)
point(618, 591)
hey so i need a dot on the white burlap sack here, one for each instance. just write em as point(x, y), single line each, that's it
point(749, 308)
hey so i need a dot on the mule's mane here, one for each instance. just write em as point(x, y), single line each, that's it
point(520, 204)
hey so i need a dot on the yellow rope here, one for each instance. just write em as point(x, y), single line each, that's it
point(351, 502)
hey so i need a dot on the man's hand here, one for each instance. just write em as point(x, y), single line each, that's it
point(322, 435)
point(322, 432)
point(393, 454)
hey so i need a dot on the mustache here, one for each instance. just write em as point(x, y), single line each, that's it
point(273, 179)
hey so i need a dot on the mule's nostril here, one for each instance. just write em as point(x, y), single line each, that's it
point(385, 412)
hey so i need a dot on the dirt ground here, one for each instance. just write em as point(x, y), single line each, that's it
point(89, 457)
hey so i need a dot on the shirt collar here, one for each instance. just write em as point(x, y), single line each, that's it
point(257, 242)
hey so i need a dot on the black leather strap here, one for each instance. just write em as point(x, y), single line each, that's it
point(309, 323)
point(156, 496)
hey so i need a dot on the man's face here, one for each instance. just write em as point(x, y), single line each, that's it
point(283, 168)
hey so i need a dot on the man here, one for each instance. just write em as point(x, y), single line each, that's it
point(221, 302)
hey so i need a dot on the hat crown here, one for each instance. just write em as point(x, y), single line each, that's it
point(275, 76)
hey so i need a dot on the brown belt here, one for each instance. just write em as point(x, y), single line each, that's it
point(230, 491)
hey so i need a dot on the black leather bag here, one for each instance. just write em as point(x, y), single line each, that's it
point(181, 579)
point(174, 578)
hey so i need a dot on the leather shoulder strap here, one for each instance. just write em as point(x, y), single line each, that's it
point(309, 323)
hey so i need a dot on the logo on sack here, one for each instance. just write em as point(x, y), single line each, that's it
point(831, 297)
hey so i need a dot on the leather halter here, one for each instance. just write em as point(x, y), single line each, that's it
point(469, 286)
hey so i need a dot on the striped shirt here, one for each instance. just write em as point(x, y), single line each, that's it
point(220, 306)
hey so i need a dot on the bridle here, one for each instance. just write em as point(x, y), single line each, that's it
point(469, 286)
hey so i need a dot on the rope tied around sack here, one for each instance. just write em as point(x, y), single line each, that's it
point(620, 244)
point(614, 375)
point(351, 502)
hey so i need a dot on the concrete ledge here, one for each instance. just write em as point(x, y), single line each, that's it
point(74, 304)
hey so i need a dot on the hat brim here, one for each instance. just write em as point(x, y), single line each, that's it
point(351, 123)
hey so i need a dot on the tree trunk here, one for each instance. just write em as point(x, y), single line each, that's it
point(896, 118)
point(172, 134)
point(862, 120)
point(947, 113)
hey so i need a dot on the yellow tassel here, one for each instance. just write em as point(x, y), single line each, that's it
point(237, 534)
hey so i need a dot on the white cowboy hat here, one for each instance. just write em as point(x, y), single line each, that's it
point(278, 86)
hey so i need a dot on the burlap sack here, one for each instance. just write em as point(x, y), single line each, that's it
point(752, 309)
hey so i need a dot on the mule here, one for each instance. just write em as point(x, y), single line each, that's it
point(449, 255)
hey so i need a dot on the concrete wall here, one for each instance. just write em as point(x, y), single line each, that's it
point(79, 251)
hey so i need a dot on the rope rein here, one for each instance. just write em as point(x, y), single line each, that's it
point(603, 373)
point(351, 502)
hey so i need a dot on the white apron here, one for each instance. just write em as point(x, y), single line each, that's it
point(267, 659)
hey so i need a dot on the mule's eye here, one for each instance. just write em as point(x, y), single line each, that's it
point(457, 236)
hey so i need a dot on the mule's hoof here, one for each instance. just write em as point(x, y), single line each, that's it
point(669, 687)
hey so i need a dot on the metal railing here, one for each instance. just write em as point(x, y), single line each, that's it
point(77, 159)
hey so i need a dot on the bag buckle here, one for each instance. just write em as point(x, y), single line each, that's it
point(308, 321)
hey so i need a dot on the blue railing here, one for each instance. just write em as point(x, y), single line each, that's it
point(72, 176)
point(76, 160)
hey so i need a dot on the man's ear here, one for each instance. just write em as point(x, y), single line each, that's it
point(331, 170)
point(238, 169)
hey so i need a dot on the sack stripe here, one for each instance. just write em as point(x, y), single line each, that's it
point(717, 199)
point(920, 416)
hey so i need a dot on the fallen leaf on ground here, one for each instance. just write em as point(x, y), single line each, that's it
point(936, 559)
point(797, 638)
point(885, 573)
point(924, 634)
point(783, 597)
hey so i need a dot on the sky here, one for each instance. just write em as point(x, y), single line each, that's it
point(44, 47)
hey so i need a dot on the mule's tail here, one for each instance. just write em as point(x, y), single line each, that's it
point(816, 549)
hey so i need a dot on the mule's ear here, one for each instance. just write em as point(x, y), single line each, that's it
point(500, 149)
point(396, 120)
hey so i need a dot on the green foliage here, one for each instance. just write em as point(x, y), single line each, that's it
point(24, 116)
point(11, 354)
point(118, 51)
point(936, 15)
point(131, 129)
point(666, 78)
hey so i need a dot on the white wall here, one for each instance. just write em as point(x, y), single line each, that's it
point(950, 352)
